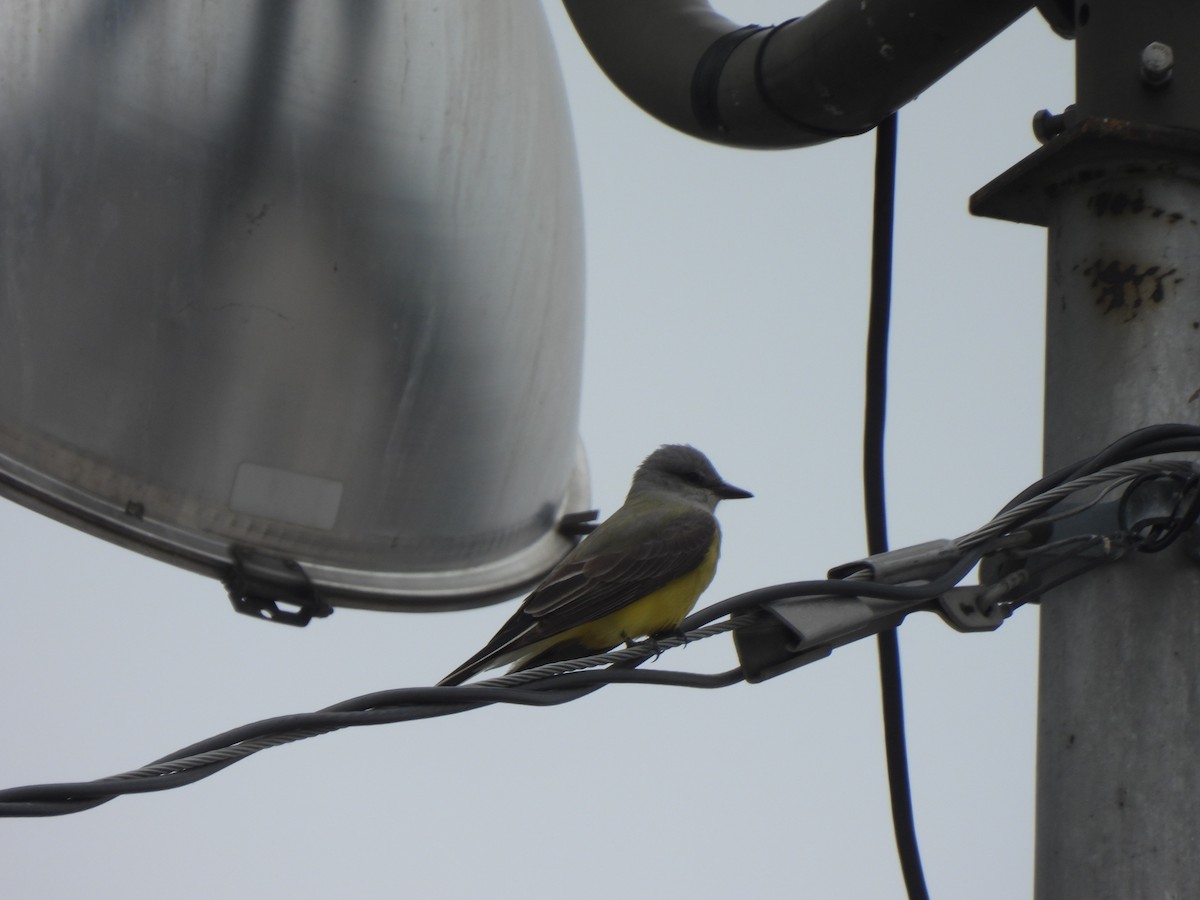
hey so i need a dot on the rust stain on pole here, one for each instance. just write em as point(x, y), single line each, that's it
point(1126, 287)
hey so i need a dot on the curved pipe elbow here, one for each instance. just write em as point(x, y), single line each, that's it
point(837, 72)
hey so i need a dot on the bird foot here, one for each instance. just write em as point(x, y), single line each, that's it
point(673, 634)
point(655, 639)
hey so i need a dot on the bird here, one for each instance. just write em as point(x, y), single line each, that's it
point(639, 573)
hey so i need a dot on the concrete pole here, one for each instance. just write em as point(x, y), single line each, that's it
point(1118, 758)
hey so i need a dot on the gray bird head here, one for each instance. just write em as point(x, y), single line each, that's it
point(686, 472)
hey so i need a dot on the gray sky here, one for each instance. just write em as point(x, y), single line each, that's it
point(726, 308)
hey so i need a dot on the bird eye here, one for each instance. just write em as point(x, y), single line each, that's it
point(693, 477)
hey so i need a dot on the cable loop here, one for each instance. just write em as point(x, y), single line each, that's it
point(1153, 533)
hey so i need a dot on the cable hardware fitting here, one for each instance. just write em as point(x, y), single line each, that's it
point(257, 583)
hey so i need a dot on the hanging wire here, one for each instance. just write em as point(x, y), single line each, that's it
point(874, 497)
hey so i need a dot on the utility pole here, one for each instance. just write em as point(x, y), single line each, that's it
point(1117, 185)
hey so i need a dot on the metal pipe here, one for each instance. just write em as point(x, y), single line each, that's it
point(836, 72)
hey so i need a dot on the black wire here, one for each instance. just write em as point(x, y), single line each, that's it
point(875, 403)
point(875, 416)
point(840, 587)
point(407, 704)
point(1153, 440)
point(383, 707)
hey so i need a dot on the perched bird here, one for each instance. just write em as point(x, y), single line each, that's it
point(639, 573)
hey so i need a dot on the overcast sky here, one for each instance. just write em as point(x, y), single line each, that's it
point(726, 308)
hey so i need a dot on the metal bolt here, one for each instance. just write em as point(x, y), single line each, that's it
point(1158, 60)
point(1047, 125)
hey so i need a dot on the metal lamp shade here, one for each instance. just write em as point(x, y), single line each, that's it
point(300, 276)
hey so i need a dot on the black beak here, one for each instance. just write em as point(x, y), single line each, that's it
point(729, 492)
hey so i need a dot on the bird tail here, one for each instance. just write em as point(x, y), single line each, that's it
point(461, 674)
point(569, 649)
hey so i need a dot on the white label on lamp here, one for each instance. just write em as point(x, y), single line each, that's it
point(287, 496)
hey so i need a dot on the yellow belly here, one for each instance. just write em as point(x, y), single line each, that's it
point(660, 611)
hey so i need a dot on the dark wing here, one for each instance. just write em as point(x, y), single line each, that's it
point(640, 548)
point(603, 575)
